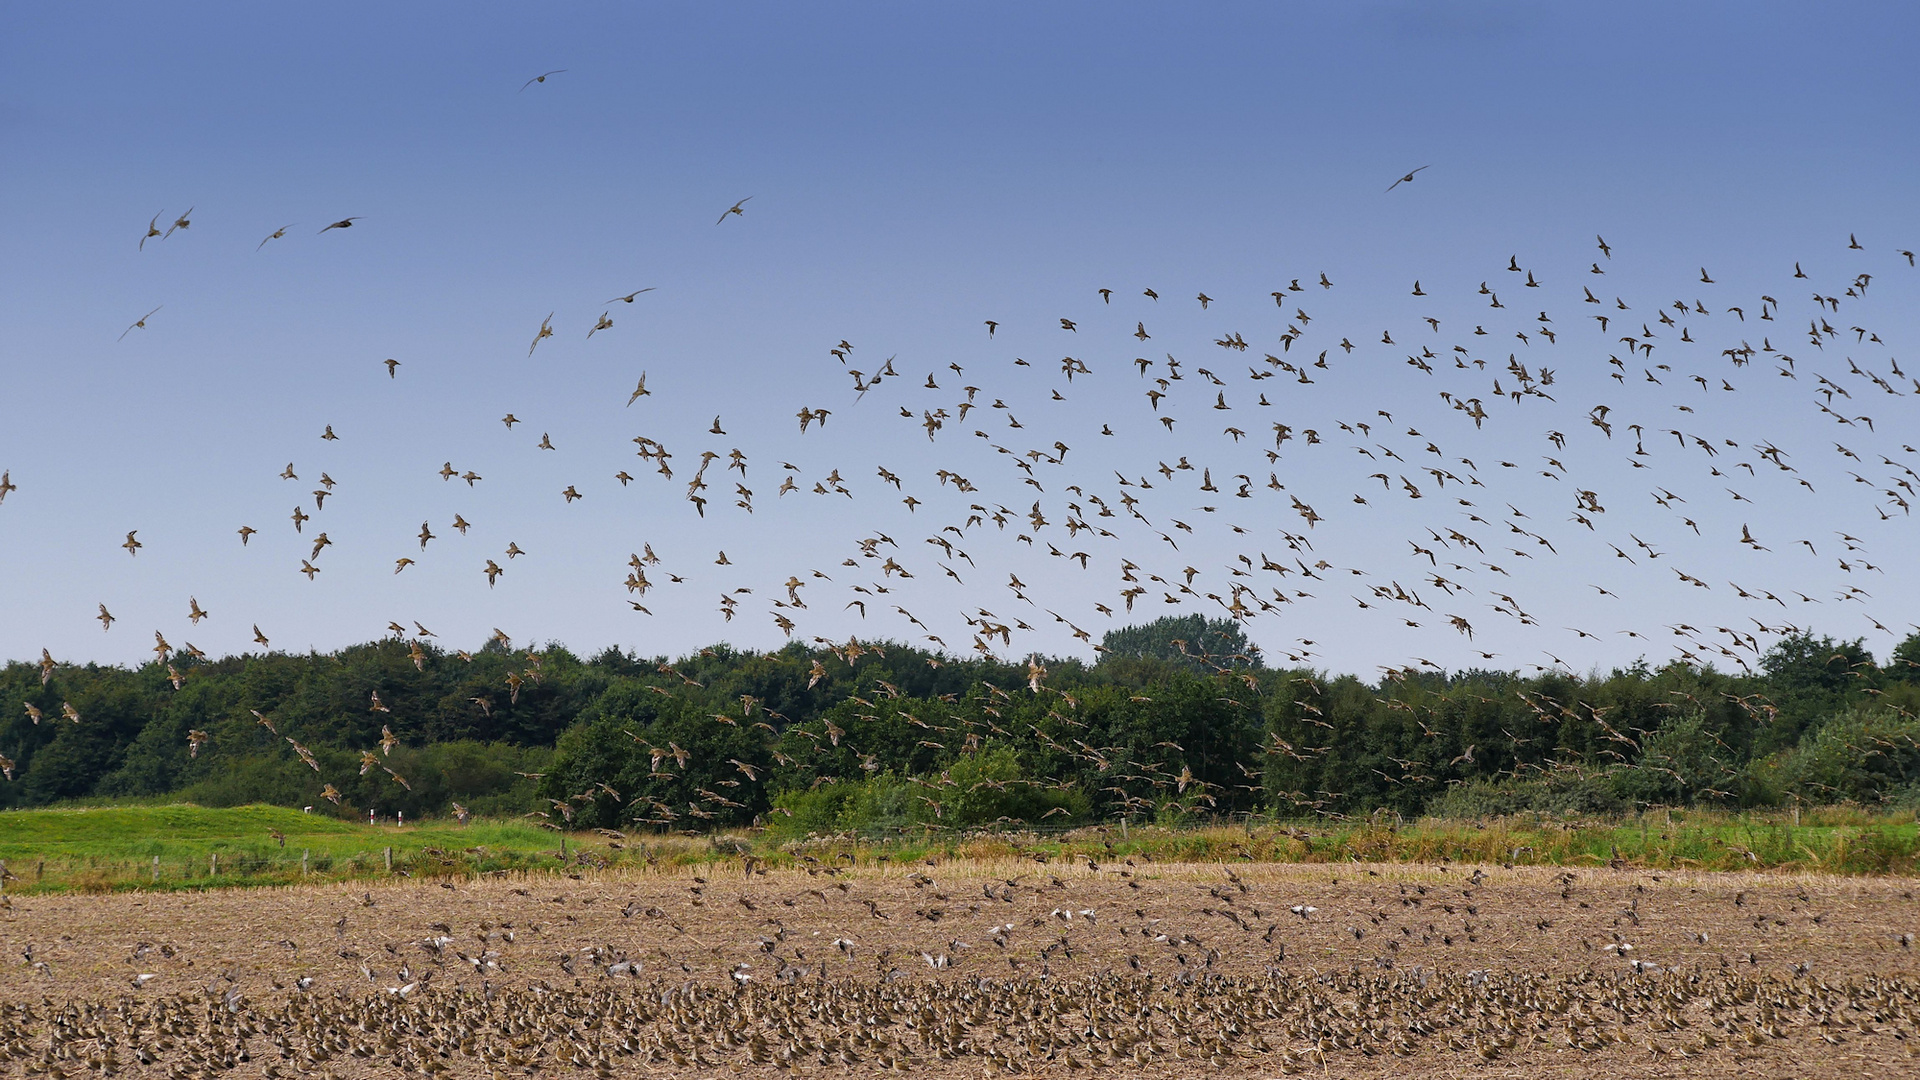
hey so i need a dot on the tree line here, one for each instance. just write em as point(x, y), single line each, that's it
point(1177, 717)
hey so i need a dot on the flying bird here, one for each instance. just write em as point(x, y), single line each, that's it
point(139, 323)
point(1407, 179)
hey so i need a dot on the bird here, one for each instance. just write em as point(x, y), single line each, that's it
point(735, 210)
point(628, 299)
point(1407, 179)
point(343, 223)
point(540, 78)
point(275, 235)
point(139, 323)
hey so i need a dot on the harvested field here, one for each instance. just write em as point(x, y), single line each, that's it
point(973, 967)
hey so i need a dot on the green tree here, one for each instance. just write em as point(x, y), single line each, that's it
point(1191, 641)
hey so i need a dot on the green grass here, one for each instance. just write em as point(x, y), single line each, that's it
point(113, 848)
point(1867, 846)
point(102, 848)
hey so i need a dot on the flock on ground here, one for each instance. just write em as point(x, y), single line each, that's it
point(1492, 483)
point(954, 969)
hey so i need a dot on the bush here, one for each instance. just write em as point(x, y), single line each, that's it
point(1861, 755)
point(983, 790)
point(1587, 796)
point(1681, 764)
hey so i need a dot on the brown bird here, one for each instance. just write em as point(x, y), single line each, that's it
point(546, 331)
point(139, 323)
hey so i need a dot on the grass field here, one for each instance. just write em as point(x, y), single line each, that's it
point(106, 848)
point(112, 848)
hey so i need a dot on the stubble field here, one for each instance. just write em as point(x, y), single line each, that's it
point(973, 968)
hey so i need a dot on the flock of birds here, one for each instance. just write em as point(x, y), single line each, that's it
point(1035, 970)
point(1489, 492)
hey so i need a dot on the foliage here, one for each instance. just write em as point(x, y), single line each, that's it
point(1169, 725)
point(1191, 641)
point(1861, 756)
point(1558, 795)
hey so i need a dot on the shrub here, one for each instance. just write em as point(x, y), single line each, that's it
point(1579, 796)
point(1863, 755)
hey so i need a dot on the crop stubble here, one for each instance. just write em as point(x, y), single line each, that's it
point(1179, 969)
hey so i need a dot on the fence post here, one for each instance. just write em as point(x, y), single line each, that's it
point(213, 865)
point(303, 862)
point(3, 875)
point(1123, 828)
point(156, 868)
point(40, 869)
point(563, 850)
point(389, 859)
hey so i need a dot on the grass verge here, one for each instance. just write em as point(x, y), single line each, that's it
point(117, 848)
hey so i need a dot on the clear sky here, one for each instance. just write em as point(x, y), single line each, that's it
point(913, 172)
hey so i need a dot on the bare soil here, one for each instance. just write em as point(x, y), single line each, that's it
point(976, 968)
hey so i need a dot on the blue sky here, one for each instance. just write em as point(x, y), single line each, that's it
point(914, 171)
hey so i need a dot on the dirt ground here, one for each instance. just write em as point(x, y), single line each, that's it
point(980, 968)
